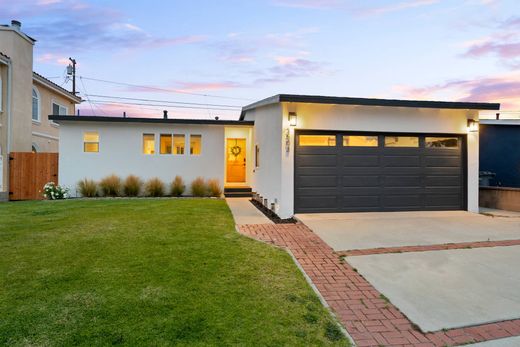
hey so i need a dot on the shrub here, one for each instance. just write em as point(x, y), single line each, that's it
point(154, 187)
point(178, 186)
point(87, 188)
point(214, 188)
point(198, 187)
point(132, 186)
point(110, 185)
point(52, 191)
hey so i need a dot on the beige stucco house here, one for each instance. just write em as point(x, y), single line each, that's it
point(26, 98)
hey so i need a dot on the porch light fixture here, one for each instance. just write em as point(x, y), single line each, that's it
point(472, 125)
point(293, 119)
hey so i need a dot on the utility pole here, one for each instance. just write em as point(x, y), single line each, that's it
point(71, 70)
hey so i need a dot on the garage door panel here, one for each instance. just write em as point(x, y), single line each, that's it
point(313, 160)
point(401, 161)
point(443, 171)
point(317, 181)
point(361, 161)
point(361, 181)
point(402, 191)
point(361, 202)
point(442, 200)
point(443, 181)
point(401, 171)
point(318, 203)
point(402, 201)
point(349, 179)
point(348, 191)
point(442, 161)
point(402, 181)
point(316, 191)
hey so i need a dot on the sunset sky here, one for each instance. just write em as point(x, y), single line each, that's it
point(236, 52)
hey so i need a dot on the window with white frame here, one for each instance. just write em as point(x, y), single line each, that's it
point(35, 104)
point(58, 109)
point(91, 142)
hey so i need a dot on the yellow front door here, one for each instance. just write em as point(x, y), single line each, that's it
point(236, 160)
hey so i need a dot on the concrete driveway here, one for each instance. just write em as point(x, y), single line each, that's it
point(346, 231)
point(448, 289)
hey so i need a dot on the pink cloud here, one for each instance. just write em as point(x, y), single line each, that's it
point(50, 58)
point(397, 7)
point(188, 87)
point(504, 44)
point(503, 89)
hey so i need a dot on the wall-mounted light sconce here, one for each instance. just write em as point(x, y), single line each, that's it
point(293, 119)
point(472, 125)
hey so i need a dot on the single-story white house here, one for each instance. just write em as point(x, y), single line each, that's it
point(302, 153)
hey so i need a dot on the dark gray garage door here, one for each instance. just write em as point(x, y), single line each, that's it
point(358, 172)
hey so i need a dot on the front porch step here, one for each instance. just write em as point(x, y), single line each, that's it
point(238, 192)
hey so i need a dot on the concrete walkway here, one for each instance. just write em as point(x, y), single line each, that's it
point(244, 212)
point(347, 231)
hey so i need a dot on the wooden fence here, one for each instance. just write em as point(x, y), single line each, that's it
point(28, 173)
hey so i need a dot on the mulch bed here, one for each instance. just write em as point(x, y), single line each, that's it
point(271, 215)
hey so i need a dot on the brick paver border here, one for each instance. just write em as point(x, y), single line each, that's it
point(368, 317)
point(425, 248)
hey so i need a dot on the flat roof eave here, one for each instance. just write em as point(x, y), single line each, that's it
point(105, 119)
point(336, 100)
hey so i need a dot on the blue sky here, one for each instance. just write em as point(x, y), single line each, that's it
point(236, 52)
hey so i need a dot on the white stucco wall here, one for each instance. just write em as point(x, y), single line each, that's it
point(121, 153)
point(267, 134)
point(353, 118)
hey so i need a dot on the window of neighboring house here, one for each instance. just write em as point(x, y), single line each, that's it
point(195, 144)
point(91, 142)
point(35, 105)
point(179, 143)
point(148, 144)
point(58, 109)
point(317, 140)
point(401, 141)
point(166, 144)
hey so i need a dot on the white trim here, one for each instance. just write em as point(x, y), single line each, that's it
point(38, 95)
point(24, 36)
point(38, 79)
point(35, 133)
point(54, 102)
point(500, 121)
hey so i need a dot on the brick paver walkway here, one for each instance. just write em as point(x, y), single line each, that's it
point(425, 248)
point(367, 316)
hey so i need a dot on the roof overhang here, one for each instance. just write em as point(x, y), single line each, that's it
point(53, 86)
point(103, 119)
point(335, 100)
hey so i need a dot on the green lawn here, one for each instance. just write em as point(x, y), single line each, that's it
point(148, 272)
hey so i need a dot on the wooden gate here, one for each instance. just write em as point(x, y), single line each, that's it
point(28, 173)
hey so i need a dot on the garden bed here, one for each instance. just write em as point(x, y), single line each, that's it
point(271, 215)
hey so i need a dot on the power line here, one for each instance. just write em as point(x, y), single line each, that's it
point(163, 101)
point(160, 105)
point(162, 89)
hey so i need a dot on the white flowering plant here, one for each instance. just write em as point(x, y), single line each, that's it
point(52, 191)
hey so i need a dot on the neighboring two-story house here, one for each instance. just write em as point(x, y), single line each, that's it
point(26, 99)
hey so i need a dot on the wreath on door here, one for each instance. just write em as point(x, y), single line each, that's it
point(236, 149)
